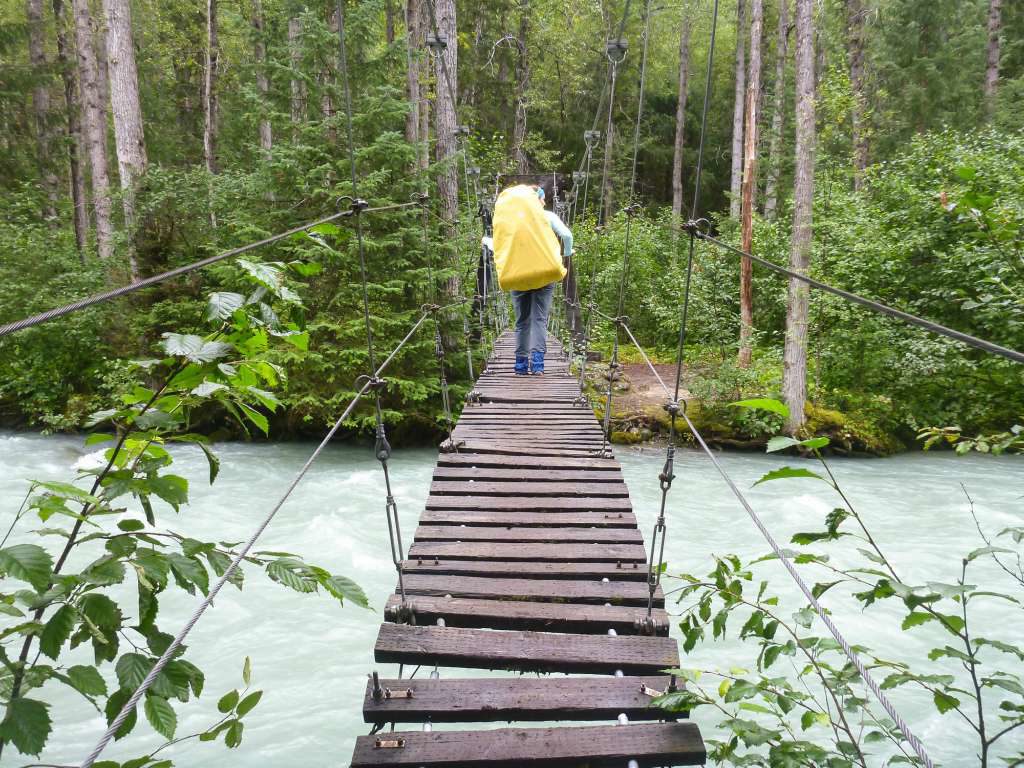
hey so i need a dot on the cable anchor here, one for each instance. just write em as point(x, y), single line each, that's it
point(436, 43)
point(615, 49)
point(358, 205)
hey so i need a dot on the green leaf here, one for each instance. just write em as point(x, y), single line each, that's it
point(255, 417)
point(57, 630)
point(247, 671)
point(944, 702)
point(132, 669)
point(227, 702)
point(189, 571)
point(788, 472)
point(87, 680)
point(161, 716)
point(916, 619)
point(346, 589)
point(222, 304)
point(114, 706)
point(26, 724)
point(781, 443)
point(171, 488)
point(291, 573)
point(764, 404)
point(233, 737)
point(194, 348)
point(67, 491)
point(250, 701)
point(27, 562)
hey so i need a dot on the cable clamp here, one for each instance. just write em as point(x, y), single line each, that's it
point(358, 205)
point(436, 43)
point(648, 626)
point(451, 446)
point(473, 396)
point(420, 197)
point(697, 227)
point(380, 743)
point(590, 138)
point(675, 407)
point(402, 694)
point(632, 209)
point(462, 130)
point(429, 309)
point(473, 171)
point(615, 49)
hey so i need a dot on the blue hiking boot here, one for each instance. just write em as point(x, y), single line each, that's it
point(536, 362)
point(522, 366)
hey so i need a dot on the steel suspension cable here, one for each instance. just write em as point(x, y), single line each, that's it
point(148, 282)
point(207, 601)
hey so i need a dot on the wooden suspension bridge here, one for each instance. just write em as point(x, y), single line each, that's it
point(527, 559)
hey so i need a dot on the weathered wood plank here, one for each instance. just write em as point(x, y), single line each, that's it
point(525, 535)
point(481, 446)
point(631, 571)
point(539, 617)
point(538, 487)
point(503, 474)
point(524, 651)
point(467, 458)
point(529, 503)
point(474, 550)
point(561, 591)
point(513, 699)
point(535, 519)
point(592, 746)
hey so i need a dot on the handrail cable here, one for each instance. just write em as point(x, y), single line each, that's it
point(207, 601)
point(147, 282)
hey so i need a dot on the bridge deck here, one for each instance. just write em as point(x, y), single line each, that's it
point(527, 554)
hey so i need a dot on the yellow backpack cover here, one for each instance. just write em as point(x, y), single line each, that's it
point(526, 252)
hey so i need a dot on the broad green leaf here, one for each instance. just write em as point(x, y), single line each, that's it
point(227, 702)
point(87, 680)
point(233, 737)
point(171, 488)
point(67, 491)
point(917, 618)
point(189, 571)
point(26, 724)
point(291, 573)
point(132, 669)
point(988, 551)
point(194, 348)
point(114, 706)
point(208, 388)
point(161, 716)
point(131, 526)
point(764, 404)
point(222, 304)
point(944, 702)
point(27, 562)
point(346, 589)
point(789, 472)
point(255, 417)
point(250, 701)
point(57, 630)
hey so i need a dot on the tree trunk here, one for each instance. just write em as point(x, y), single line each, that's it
point(995, 27)
point(855, 51)
point(74, 129)
point(94, 120)
point(737, 112)
point(412, 75)
point(750, 184)
point(327, 77)
point(124, 101)
point(445, 122)
point(295, 57)
point(262, 81)
point(41, 109)
point(522, 84)
point(210, 89)
point(389, 21)
point(771, 191)
point(682, 92)
point(794, 375)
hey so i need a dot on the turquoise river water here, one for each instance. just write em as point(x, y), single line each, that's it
point(311, 656)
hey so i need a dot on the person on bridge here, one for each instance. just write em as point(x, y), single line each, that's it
point(526, 255)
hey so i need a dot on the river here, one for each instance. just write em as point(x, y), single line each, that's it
point(311, 656)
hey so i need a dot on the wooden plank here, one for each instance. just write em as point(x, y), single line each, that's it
point(538, 617)
point(542, 590)
point(535, 487)
point(537, 519)
point(532, 570)
point(524, 534)
point(524, 651)
point(502, 474)
point(474, 550)
point(530, 503)
point(590, 746)
point(512, 699)
point(467, 458)
point(480, 446)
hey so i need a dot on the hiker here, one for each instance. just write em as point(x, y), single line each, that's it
point(526, 254)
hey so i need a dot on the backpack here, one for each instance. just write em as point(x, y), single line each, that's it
point(527, 254)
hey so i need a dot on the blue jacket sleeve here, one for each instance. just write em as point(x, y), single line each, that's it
point(563, 232)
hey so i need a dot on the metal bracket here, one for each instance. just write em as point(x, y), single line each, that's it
point(616, 50)
point(380, 743)
point(436, 43)
point(451, 446)
point(406, 693)
point(359, 205)
point(591, 137)
point(652, 692)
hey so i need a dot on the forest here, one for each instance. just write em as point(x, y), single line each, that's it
point(882, 154)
